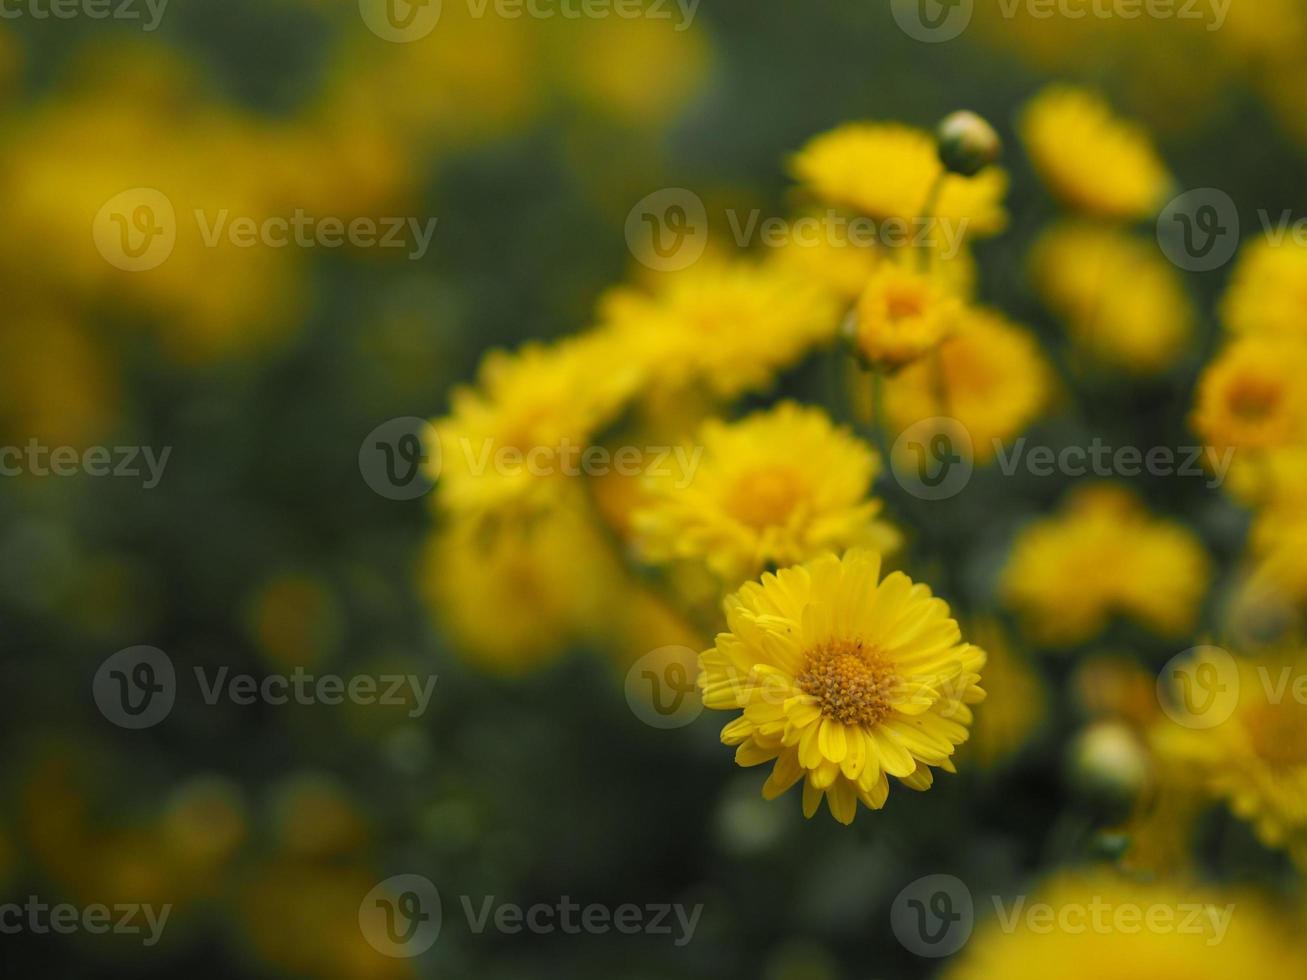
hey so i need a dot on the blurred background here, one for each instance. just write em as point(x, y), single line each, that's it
point(262, 546)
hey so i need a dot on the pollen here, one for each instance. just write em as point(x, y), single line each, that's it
point(850, 680)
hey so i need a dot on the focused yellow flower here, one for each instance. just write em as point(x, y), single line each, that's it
point(1104, 926)
point(843, 679)
point(1256, 760)
point(1090, 159)
point(775, 489)
point(902, 315)
point(1268, 291)
point(1123, 303)
point(1104, 555)
point(728, 326)
point(990, 375)
point(888, 171)
point(517, 440)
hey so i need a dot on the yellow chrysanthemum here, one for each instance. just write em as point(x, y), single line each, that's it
point(887, 171)
point(902, 315)
point(1103, 926)
point(1080, 269)
point(1251, 396)
point(515, 441)
point(843, 679)
point(1256, 760)
point(1016, 703)
point(775, 489)
point(1268, 291)
point(1278, 548)
point(727, 326)
point(1103, 555)
point(1089, 158)
point(991, 375)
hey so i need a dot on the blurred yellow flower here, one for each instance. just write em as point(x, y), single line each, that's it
point(775, 489)
point(842, 681)
point(1102, 926)
point(1016, 702)
point(1251, 396)
point(902, 315)
point(1123, 303)
point(1104, 555)
point(1090, 159)
point(888, 171)
point(1268, 290)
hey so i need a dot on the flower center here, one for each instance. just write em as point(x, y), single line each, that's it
point(1253, 400)
point(905, 302)
point(850, 680)
point(766, 497)
point(1279, 733)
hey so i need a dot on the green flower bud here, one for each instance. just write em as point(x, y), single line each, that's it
point(967, 144)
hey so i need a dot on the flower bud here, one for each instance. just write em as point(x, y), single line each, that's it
point(967, 143)
point(1109, 768)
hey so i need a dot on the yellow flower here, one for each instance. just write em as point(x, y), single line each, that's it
point(515, 442)
point(777, 488)
point(991, 374)
point(1101, 556)
point(903, 315)
point(1256, 760)
point(1016, 703)
point(1268, 291)
point(1103, 926)
point(887, 171)
point(727, 326)
point(1090, 159)
point(1123, 303)
point(1278, 547)
point(1251, 398)
point(842, 681)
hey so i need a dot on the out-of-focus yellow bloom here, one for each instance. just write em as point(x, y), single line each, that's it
point(902, 315)
point(294, 620)
point(1017, 700)
point(887, 171)
point(513, 597)
point(203, 824)
point(1268, 291)
point(1091, 160)
point(775, 489)
point(1251, 396)
point(842, 681)
point(834, 262)
point(990, 375)
point(1256, 760)
point(727, 326)
point(314, 816)
point(1123, 303)
point(516, 442)
point(1102, 926)
point(1278, 548)
point(1104, 555)
point(1115, 686)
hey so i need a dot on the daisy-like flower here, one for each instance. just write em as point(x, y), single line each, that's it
point(1104, 555)
point(728, 326)
point(778, 488)
point(511, 443)
point(888, 171)
point(843, 679)
point(1078, 268)
point(1250, 397)
point(1090, 159)
point(902, 315)
point(991, 373)
point(1268, 291)
point(1256, 760)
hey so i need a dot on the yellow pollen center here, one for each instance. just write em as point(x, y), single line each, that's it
point(1253, 400)
point(850, 680)
point(903, 303)
point(766, 497)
